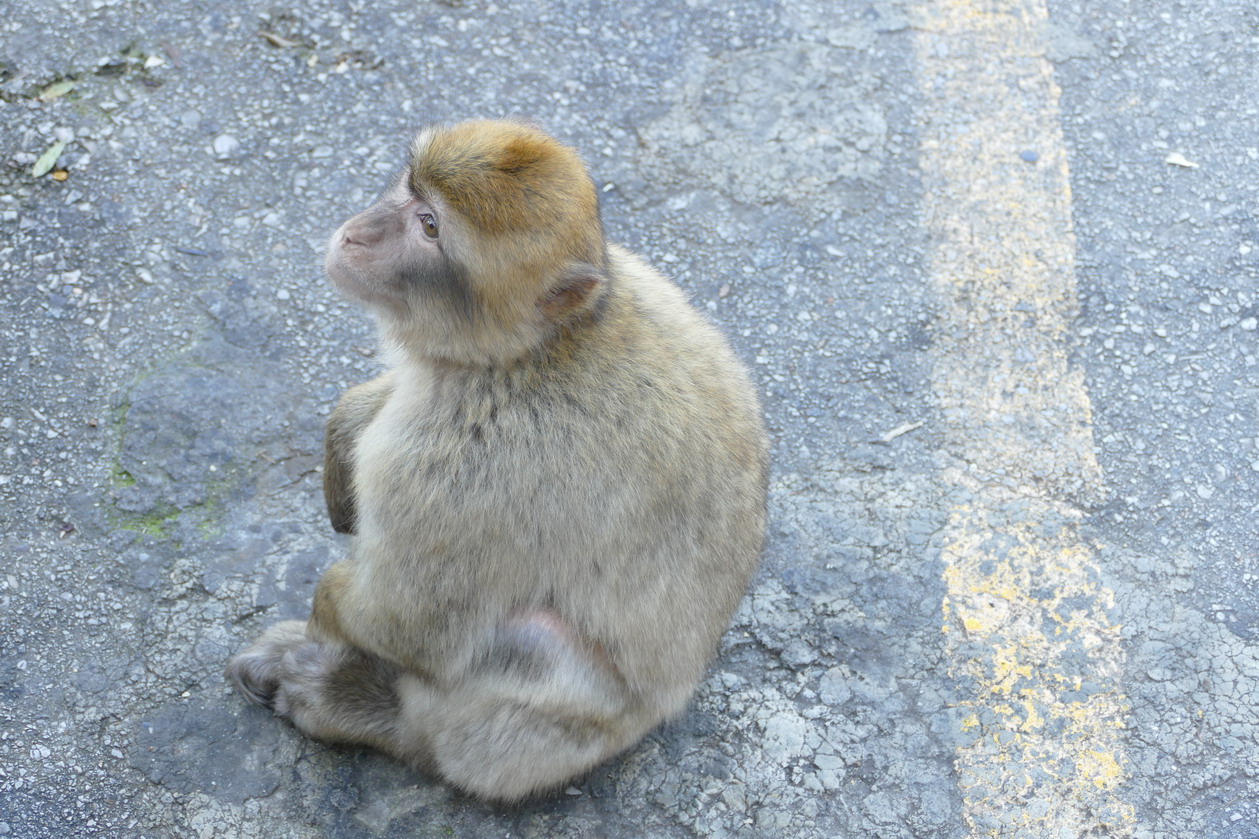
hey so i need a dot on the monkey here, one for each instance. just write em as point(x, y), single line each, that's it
point(556, 495)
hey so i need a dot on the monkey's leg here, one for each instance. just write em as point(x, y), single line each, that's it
point(314, 675)
point(330, 691)
point(542, 709)
point(357, 408)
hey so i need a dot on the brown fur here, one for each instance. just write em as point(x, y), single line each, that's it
point(557, 493)
point(351, 416)
point(508, 178)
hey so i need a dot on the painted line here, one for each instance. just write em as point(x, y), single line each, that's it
point(1035, 655)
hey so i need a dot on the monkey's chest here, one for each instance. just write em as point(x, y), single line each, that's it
point(459, 481)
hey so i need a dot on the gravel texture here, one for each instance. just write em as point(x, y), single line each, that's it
point(170, 350)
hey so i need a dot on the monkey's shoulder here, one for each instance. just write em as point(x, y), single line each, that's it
point(655, 295)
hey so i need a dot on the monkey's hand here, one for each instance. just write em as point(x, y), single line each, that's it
point(258, 671)
point(330, 691)
point(357, 408)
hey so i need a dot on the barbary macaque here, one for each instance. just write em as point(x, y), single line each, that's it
point(556, 494)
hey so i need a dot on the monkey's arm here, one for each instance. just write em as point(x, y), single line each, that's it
point(325, 614)
point(357, 408)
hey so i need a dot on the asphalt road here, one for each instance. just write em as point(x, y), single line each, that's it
point(994, 265)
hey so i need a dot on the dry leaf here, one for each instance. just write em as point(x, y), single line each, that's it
point(899, 430)
point(1178, 159)
point(278, 41)
point(56, 90)
point(48, 159)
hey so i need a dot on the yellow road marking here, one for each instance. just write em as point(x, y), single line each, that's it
point(1036, 657)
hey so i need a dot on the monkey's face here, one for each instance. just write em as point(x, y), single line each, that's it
point(411, 259)
point(480, 249)
point(391, 255)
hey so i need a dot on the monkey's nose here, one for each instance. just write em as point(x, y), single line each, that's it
point(363, 235)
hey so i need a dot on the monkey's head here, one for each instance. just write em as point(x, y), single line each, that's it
point(483, 247)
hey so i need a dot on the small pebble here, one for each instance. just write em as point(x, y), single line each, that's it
point(1029, 156)
point(226, 145)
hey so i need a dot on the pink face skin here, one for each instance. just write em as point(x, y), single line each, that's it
point(389, 252)
point(413, 261)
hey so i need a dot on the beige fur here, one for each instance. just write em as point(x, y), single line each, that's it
point(557, 498)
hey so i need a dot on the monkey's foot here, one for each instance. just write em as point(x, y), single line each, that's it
point(258, 671)
point(329, 691)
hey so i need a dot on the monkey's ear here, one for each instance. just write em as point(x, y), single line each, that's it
point(576, 292)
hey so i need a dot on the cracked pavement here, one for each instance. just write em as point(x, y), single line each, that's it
point(982, 611)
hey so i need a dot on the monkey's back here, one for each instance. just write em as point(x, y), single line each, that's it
point(618, 478)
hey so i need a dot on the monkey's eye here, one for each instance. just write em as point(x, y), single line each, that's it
point(429, 224)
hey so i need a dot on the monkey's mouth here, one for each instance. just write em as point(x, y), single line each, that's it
point(344, 269)
point(356, 275)
point(355, 283)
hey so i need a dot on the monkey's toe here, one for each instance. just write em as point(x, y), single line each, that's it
point(255, 676)
point(256, 672)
